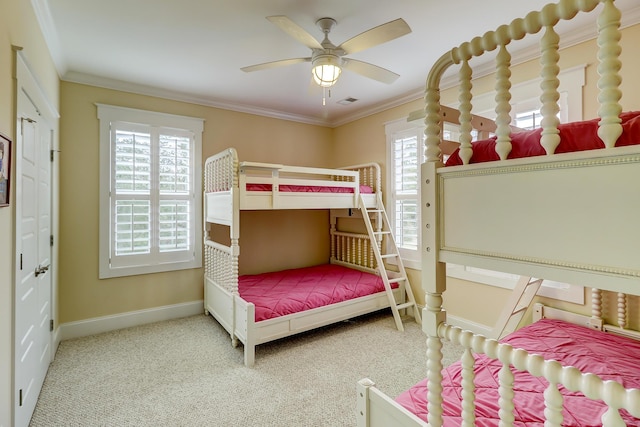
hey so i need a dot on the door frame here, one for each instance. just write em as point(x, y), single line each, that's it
point(26, 80)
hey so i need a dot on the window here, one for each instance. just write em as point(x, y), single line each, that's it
point(528, 120)
point(150, 192)
point(405, 153)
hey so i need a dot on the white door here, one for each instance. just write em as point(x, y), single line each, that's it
point(33, 260)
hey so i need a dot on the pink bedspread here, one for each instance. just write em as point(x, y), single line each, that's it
point(364, 189)
point(290, 291)
point(607, 355)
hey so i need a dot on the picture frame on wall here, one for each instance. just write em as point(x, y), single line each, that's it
point(5, 170)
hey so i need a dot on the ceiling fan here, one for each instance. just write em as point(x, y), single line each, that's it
point(328, 60)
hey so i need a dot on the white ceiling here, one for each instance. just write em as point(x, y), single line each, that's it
point(193, 50)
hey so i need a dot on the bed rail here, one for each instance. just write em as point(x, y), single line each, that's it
point(369, 175)
point(612, 393)
point(610, 94)
point(260, 186)
point(352, 250)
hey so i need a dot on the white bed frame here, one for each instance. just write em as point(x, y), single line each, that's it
point(587, 237)
point(226, 195)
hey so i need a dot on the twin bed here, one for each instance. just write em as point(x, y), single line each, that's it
point(560, 203)
point(259, 308)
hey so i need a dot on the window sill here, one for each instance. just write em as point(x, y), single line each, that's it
point(549, 289)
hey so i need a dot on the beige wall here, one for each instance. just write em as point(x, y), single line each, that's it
point(83, 295)
point(583, 53)
point(18, 26)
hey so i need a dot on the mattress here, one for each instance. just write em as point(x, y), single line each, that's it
point(290, 291)
point(607, 355)
point(575, 136)
point(364, 189)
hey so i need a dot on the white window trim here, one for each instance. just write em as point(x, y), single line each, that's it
point(410, 259)
point(108, 114)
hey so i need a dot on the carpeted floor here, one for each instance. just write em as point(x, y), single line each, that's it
point(185, 372)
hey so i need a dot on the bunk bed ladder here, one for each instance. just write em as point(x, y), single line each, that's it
point(521, 297)
point(383, 230)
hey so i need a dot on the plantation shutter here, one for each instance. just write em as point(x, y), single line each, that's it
point(406, 146)
point(175, 186)
point(152, 195)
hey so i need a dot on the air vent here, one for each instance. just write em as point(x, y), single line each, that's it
point(347, 101)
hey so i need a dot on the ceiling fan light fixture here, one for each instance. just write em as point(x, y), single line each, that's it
point(326, 69)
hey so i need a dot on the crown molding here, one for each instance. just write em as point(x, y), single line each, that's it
point(50, 35)
point(119, 85)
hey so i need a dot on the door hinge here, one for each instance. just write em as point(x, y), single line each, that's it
point(51, 325)
point(51, 240)
point(22, 120)
point(20, 397)
point(20, 261)
point(51, 152)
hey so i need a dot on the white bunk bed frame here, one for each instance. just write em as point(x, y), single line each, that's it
point(587, 237)
point(225, 195)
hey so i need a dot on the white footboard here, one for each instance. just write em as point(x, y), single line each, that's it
point(235, 315)
point(376, 409)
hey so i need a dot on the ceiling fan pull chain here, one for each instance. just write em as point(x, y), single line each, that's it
point(324, 95)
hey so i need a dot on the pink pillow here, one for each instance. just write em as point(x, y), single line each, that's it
point(575, 136)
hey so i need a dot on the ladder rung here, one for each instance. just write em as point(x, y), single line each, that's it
point(519, 309)
point(405, 305)
point(382, 232)
point(389, 256)
point(397, 279)
point(375, 210)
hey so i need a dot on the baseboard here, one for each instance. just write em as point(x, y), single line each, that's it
point(99, 325)
point(55, 341)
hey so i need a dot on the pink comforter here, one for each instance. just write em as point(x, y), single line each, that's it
point(290, 291)
point(574, 136)
point(364, 189)
point(607, 355)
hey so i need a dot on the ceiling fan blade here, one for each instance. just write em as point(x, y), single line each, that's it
point(274, 64)
point(295, 31)
point(369, 70)
point(375, 36)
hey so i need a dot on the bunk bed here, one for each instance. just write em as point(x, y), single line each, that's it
point(545, 212)
point(258, 308)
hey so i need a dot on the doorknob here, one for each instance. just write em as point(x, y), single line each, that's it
point(41, 270)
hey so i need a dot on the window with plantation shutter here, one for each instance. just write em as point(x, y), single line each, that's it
point(405, 154)
point(150, 192)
